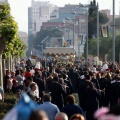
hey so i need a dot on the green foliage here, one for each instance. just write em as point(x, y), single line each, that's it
point(8, 27)
point(31, 39)
point(15, 48)
point(117, 48)
point(92, 22)
point(4, 11)
point(9, 102)
point(9, 41)
point(105, 47)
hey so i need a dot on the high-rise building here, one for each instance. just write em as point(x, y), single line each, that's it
point(29, 21)
point(38, 13)
point(68, 11)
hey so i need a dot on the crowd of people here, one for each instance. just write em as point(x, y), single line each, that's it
point(53, 87)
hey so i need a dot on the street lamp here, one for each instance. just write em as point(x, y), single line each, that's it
point(113, 41)
point(86, 33)
point(43, 42)
point(70, 19)
point(97, 7)
point(68, 30)
point(41, 48)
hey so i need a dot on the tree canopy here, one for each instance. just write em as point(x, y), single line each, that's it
point(9, 39)
point(35, 40)
point(105, 47)
point(92, 22)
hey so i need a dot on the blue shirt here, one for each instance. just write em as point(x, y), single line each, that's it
point(72, 109)
point(50, 109)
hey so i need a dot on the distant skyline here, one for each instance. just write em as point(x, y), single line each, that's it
point(19, 8)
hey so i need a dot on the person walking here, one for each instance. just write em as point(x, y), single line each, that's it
point(48, 107)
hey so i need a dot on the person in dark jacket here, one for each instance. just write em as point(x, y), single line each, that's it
point(82, 84)
point(114, 91)
point(71, 108)
point(57, 93)
point(69, 88)
point(92, 97)
point(6, 77)
point(40, 84)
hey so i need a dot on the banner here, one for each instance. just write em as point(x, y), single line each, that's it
point(104, 31)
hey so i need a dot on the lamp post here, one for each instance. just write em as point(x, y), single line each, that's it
point(68, 30)
point(113, 41)
point(41, 49)
point(87, 38)
point(73, 25)
point(79, 31)
point(73, 35)
point(97, 30)
point(43, 42)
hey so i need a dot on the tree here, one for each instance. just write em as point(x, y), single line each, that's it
point(105, 47)
point(8, 27)
point(15, 48)
point(117, 48)
point(8, 39)
point(31, 40)
point(43, 33)
point(92, 22)
point(8, 34)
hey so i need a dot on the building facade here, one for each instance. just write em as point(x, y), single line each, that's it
point(71, 15)
point(29, 21)
point(38, 13)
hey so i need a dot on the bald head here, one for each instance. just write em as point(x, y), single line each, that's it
point(61, 116)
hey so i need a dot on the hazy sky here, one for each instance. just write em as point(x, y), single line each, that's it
point(19, 8)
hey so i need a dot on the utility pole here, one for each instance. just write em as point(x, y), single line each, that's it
point(113, 41)
point(97, 30)
point(87, 37)
point(73, 35)
point(79, 31)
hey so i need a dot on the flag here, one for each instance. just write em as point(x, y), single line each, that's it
point(104, 31)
